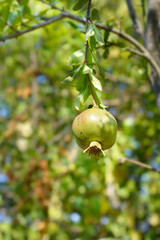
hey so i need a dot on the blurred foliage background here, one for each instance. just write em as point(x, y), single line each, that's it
point(48, 188)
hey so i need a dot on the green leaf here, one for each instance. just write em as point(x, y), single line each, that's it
point(68, 79)
point(106, 36)
point(96, 83)
point(82, 97)
point(90, 31)
point(82, 82)
point(79, 4)
point(87, 70)
point(77, 57)
point(11, 17)
point(100, 69)
point(97, 97)
point(98, 35)
point(92, 43)
point(106, 53)
point(78, 71)
point(95, 14)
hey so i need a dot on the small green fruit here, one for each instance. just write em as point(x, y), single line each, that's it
point(95, 130)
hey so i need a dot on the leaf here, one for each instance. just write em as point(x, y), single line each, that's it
point(79, 4)
point(97, 98)
point(92, 43)
point(82, 97)
point(77, 57)
point(87, 70)
point(96, 83)
point(106, 53)
point(90, 31)
point(68, 79)
point(100, 69)
point(82, 82)
point(106, 36)
point(5, 9)
point(11, 17)
point(98, 35)
point(95, 14)
point(78, 71)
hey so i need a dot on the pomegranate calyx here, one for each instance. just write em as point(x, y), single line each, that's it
point(94, 149)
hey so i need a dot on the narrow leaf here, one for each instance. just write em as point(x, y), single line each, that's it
point(87, 70)
point(82, 97)
point(98, 35)
point(106, 52)
point(90, 31)
point(95, 14)
point(79, 4)
point(82, 82)
point(68, 79)
point(78, 71)
point(96, 83)
point(92, 43)
point(106, 36)
point(77, 57)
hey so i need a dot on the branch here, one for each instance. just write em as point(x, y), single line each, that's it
point(142, 165)
point(136, 52)
point(152, 37)
point(43, 24)
point(136, 23)
point(118, 32)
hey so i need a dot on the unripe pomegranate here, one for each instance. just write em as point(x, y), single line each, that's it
point(95, 130)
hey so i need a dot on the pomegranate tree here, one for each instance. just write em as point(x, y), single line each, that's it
point(95, 130)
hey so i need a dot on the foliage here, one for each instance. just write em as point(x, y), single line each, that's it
point(49, 189)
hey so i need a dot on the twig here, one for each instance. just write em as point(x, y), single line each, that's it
point(142, 165)
point(136, 52)
point(86, 42)
point(43, 24)
point(86, 53)
point(136, 23)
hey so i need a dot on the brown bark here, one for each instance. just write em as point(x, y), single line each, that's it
point(152, 39)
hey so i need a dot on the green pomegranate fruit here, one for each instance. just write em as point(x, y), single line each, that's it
point(95, 130)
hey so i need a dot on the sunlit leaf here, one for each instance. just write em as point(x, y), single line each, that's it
point(87, 70)
point(96, 83)
point(68, 79)
point(82, 97)
point(77, 57)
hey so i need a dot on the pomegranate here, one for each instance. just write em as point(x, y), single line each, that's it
point(95, 130)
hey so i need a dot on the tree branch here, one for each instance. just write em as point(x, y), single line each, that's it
point(152, 38)
point(43, 24)
point(136, 23)
point(142, 165)
point(118, 32)
point(136, 52)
